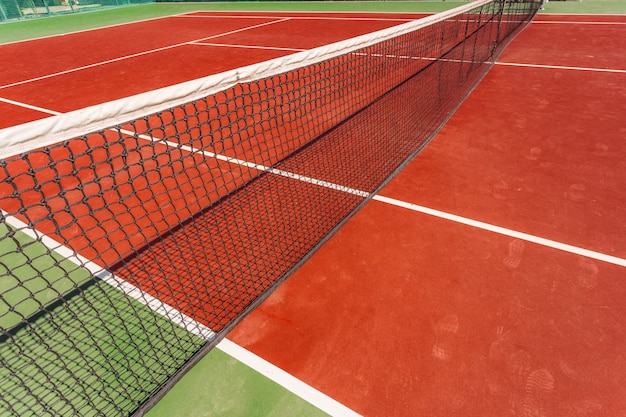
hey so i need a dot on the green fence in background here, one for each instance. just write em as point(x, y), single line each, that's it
point(29, 9)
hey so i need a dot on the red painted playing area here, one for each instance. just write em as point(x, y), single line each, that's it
point(123, 196)
point(400, 313)
point(405, 314)
point(92, 67)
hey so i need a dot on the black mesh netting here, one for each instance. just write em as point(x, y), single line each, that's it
point(125, 252)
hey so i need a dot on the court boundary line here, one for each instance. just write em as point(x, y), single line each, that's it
point(392, 12)
point(98, 272)
point(269, 48)
point(560, 67)
point(397, 19)
point(414, 207)
point(286, 380)
point(185, 14)
point(504, 231)
point(433, 212)
point(581, 14)
point(92, 29)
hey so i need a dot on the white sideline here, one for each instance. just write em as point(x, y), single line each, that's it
point(504, 231)
point(286, 380)
point(561, 67)
point(97, 271)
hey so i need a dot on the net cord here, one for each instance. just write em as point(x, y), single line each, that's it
point(40, 133)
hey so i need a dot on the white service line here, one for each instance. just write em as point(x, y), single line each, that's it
point(248, 164)
point(561, 67)
point(227, 45)
point(310, 16)
point(425, 210)
point(29, 106)
point(286, 380)
point(504, 231)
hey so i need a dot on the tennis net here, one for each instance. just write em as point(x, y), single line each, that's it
point(137, 233)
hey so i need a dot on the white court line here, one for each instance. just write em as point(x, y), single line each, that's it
point(382, 19)
point(248, 164)
point(511, 64)
point(217, 156)
point(109, 61)
point(88, 30)
point(582, 14)
point(186, 14)
point(269, 48)
point(561, 67)
point(120, 284)
point(286, 380)
point(30, 106)
point(425, 210)
point(504, 231)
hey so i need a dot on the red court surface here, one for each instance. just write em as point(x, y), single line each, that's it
point(403, 313)
point(13, 114)
point(597, 42)
point(555, 168)
point(97, 66)
point(407, 314)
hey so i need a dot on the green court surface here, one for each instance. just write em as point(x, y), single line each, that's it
point(219, 385)
point(56, 373)
point(53, 364)
point(43, 276)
